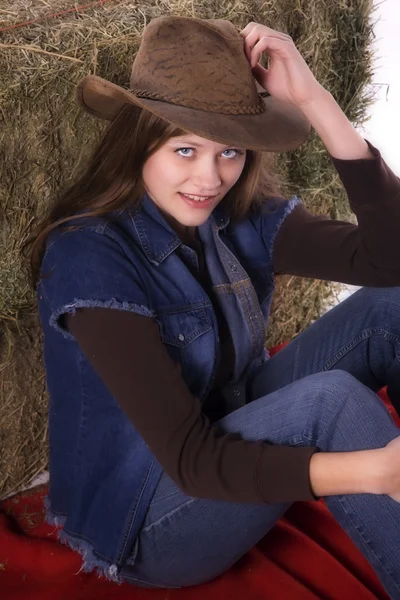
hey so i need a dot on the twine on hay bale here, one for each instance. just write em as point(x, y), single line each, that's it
point(45, 138)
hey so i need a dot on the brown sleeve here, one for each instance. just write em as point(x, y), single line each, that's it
point(126, 351)
point(365, 254)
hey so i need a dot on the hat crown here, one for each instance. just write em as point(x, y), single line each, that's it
point(194, 74)
point(197, 63)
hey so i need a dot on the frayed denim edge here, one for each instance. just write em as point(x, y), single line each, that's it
point(112, 303)
point(291, 204)
point(90, 561)
point(52, 518)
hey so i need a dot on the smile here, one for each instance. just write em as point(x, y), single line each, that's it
point(197, 201)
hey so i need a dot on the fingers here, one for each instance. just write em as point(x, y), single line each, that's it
point(258, 30)
point(277, 45)
point(258, 38)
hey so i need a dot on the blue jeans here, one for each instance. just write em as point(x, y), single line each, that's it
point(318, 391)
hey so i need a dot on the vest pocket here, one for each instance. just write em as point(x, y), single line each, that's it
point(182, 327)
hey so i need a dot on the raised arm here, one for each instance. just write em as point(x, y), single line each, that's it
point(316, 246)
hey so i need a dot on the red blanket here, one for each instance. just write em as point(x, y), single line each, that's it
point(306, 556)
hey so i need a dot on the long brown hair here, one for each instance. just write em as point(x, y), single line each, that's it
point(112, 180)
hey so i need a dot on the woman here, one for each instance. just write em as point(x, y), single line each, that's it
point(175, 443)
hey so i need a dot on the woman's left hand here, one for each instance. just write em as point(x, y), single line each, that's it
point(288, 76)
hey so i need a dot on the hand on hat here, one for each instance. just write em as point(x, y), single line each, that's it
point(288, 76)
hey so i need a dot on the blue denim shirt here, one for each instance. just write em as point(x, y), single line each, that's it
point(102, 474)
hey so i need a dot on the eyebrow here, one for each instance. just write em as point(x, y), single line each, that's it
point(192, 143)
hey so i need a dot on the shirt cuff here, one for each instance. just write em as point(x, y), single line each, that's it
point(283, 473)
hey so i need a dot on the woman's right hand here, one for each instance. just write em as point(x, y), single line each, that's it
point(375, 471)
point(391, 469)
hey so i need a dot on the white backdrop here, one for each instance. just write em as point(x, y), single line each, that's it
point(383, 128)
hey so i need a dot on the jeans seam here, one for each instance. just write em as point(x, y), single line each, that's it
point(348, 515)
point(306, 437)
point(152, 584)
point(367, 333)
point(309, 437)
point(169, 514)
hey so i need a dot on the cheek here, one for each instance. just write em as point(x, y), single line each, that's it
point(162, 172)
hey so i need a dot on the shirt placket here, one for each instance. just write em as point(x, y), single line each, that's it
point(247, 298)
point(227, 271)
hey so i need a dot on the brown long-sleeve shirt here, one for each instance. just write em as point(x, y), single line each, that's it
point(125, 348)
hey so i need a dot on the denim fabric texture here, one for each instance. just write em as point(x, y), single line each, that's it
point(320, 390)
point(102, 474)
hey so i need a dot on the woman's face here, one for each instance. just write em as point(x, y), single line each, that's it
point(192, 165)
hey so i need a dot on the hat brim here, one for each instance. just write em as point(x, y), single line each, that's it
point(282, 127)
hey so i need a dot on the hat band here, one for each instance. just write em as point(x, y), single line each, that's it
point(226, 109)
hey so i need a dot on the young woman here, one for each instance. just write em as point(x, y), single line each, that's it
point(175, 442)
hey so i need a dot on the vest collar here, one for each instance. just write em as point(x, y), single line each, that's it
point(157, 237)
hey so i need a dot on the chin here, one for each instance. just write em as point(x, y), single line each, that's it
point(195, 220)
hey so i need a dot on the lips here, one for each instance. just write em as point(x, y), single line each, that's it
point(197, 203)
point(195, 196)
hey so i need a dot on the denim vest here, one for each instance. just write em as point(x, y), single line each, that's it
point(102, 474)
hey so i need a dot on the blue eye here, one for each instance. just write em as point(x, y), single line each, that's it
point(236, 155)
point(179, 149)
point(237, 152)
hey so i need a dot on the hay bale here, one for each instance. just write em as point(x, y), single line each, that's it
point(23, 431)
point(45, 138)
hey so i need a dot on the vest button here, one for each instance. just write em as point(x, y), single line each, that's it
point(236, 393)
point(181, 337)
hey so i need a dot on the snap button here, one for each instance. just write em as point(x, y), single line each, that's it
point(181, 337)
point(233, 267)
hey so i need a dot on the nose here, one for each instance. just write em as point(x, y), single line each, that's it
point(206, 177)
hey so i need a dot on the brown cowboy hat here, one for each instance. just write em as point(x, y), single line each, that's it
point(194, 74)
